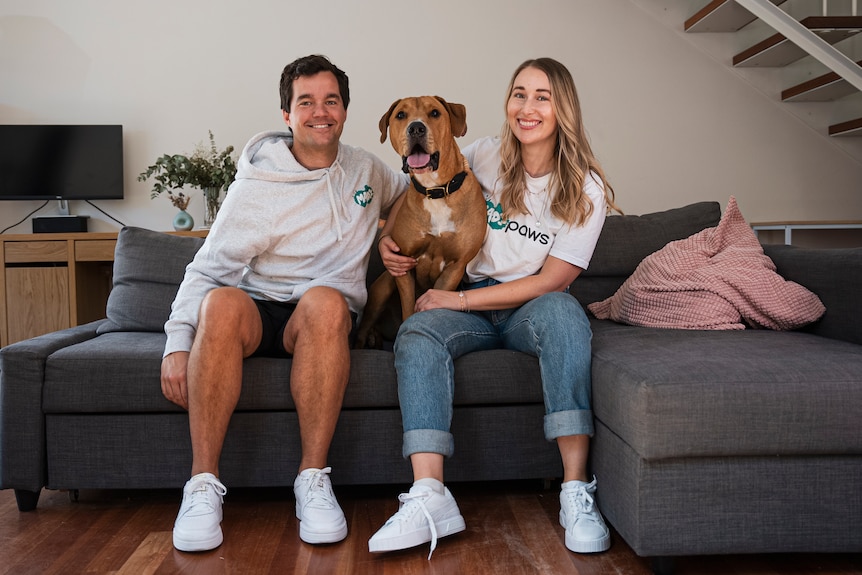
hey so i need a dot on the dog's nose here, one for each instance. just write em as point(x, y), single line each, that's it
point(416, 130)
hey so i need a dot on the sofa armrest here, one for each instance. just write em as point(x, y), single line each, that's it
point(835, 275)
point(22, 422)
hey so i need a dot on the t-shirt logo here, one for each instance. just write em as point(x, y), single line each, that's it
point(495, 215)
point(496, 222)
point(364, 196)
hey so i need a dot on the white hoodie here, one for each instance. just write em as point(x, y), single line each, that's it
point(284, 229)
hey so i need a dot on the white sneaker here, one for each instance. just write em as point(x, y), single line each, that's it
point(423, 515)
point(321, 519)
point(586, 531)
point(198, 524)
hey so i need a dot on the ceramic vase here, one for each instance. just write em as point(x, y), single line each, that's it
point(183, 221)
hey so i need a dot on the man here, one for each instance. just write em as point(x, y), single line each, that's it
point(282, 273)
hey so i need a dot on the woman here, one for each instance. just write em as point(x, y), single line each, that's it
point(547, 199)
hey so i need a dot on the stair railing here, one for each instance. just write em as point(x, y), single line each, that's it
point(818, 48)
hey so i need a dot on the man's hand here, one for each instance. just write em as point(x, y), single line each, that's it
point(174, 382)
point(396, 264)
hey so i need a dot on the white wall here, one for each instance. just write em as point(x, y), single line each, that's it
point(669, 122)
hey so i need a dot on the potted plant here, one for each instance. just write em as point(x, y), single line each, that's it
point(206, 168)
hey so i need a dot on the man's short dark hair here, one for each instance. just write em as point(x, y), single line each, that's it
point(309, 66)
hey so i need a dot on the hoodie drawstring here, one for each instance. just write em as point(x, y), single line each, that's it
point(332, 201)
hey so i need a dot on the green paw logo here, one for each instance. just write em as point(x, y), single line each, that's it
point(364, 196)
point(495, 216)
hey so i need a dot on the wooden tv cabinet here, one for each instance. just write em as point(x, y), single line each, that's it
point(54, 281)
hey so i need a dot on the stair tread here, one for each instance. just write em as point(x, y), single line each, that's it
point(779, 51)
point(848, 128)
point(829, 86)
point(721, 16)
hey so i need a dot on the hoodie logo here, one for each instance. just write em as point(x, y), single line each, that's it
point(364, 196)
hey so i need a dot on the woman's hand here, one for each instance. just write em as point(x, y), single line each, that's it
point(438, 299)
point(555, 275)
point(395, 263)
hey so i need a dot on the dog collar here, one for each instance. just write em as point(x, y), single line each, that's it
point(438, 192)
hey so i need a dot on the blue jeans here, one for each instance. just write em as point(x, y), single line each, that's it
point(552, 327)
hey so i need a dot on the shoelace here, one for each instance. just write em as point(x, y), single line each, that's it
point(317, 493)
point(408, 503)
point(199, 494)
point(582, 501)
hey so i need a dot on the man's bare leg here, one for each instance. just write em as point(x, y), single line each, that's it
point(229, 330)
point(317, 337)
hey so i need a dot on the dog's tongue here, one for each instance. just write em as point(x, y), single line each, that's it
point(418, 160)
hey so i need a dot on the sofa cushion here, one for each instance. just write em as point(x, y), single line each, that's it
point(626, 240)
point(119, 373)
point(148, 269)
point(688, 393)
point(713, 279)
point(817, 269)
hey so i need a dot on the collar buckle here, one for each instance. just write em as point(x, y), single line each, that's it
point(437, 192)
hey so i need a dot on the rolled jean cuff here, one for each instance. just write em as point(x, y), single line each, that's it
point(428, 441)
point(572, 422)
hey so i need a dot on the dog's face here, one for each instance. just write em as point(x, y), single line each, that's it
point(419, 127)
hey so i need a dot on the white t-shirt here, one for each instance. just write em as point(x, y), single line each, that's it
point(519, 246)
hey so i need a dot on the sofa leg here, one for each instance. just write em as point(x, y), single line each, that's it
point(662, 565)
point(27, 500)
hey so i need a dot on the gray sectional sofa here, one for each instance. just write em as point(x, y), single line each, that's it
point(707, 442)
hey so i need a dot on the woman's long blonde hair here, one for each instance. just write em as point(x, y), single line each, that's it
point(574, 156)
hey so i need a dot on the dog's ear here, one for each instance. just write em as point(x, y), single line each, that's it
point(384, 121)
point(457, 117)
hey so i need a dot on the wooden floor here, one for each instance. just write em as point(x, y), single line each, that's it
point(512, 528)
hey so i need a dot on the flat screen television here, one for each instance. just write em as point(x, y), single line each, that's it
point(61, 162)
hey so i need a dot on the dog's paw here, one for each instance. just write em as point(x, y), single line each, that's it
point(368, 339)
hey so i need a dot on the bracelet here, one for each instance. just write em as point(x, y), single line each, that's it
point(462, 299)
point(380, 239)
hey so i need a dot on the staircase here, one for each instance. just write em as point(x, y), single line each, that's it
point(820, 37)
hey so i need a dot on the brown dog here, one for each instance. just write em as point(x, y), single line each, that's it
point(441, 222)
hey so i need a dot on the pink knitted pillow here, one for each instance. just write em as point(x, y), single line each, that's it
point(715, 279)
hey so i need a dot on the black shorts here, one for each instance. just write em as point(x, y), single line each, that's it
point(273, 317)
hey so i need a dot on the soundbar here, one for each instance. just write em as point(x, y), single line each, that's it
point(60, 224)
